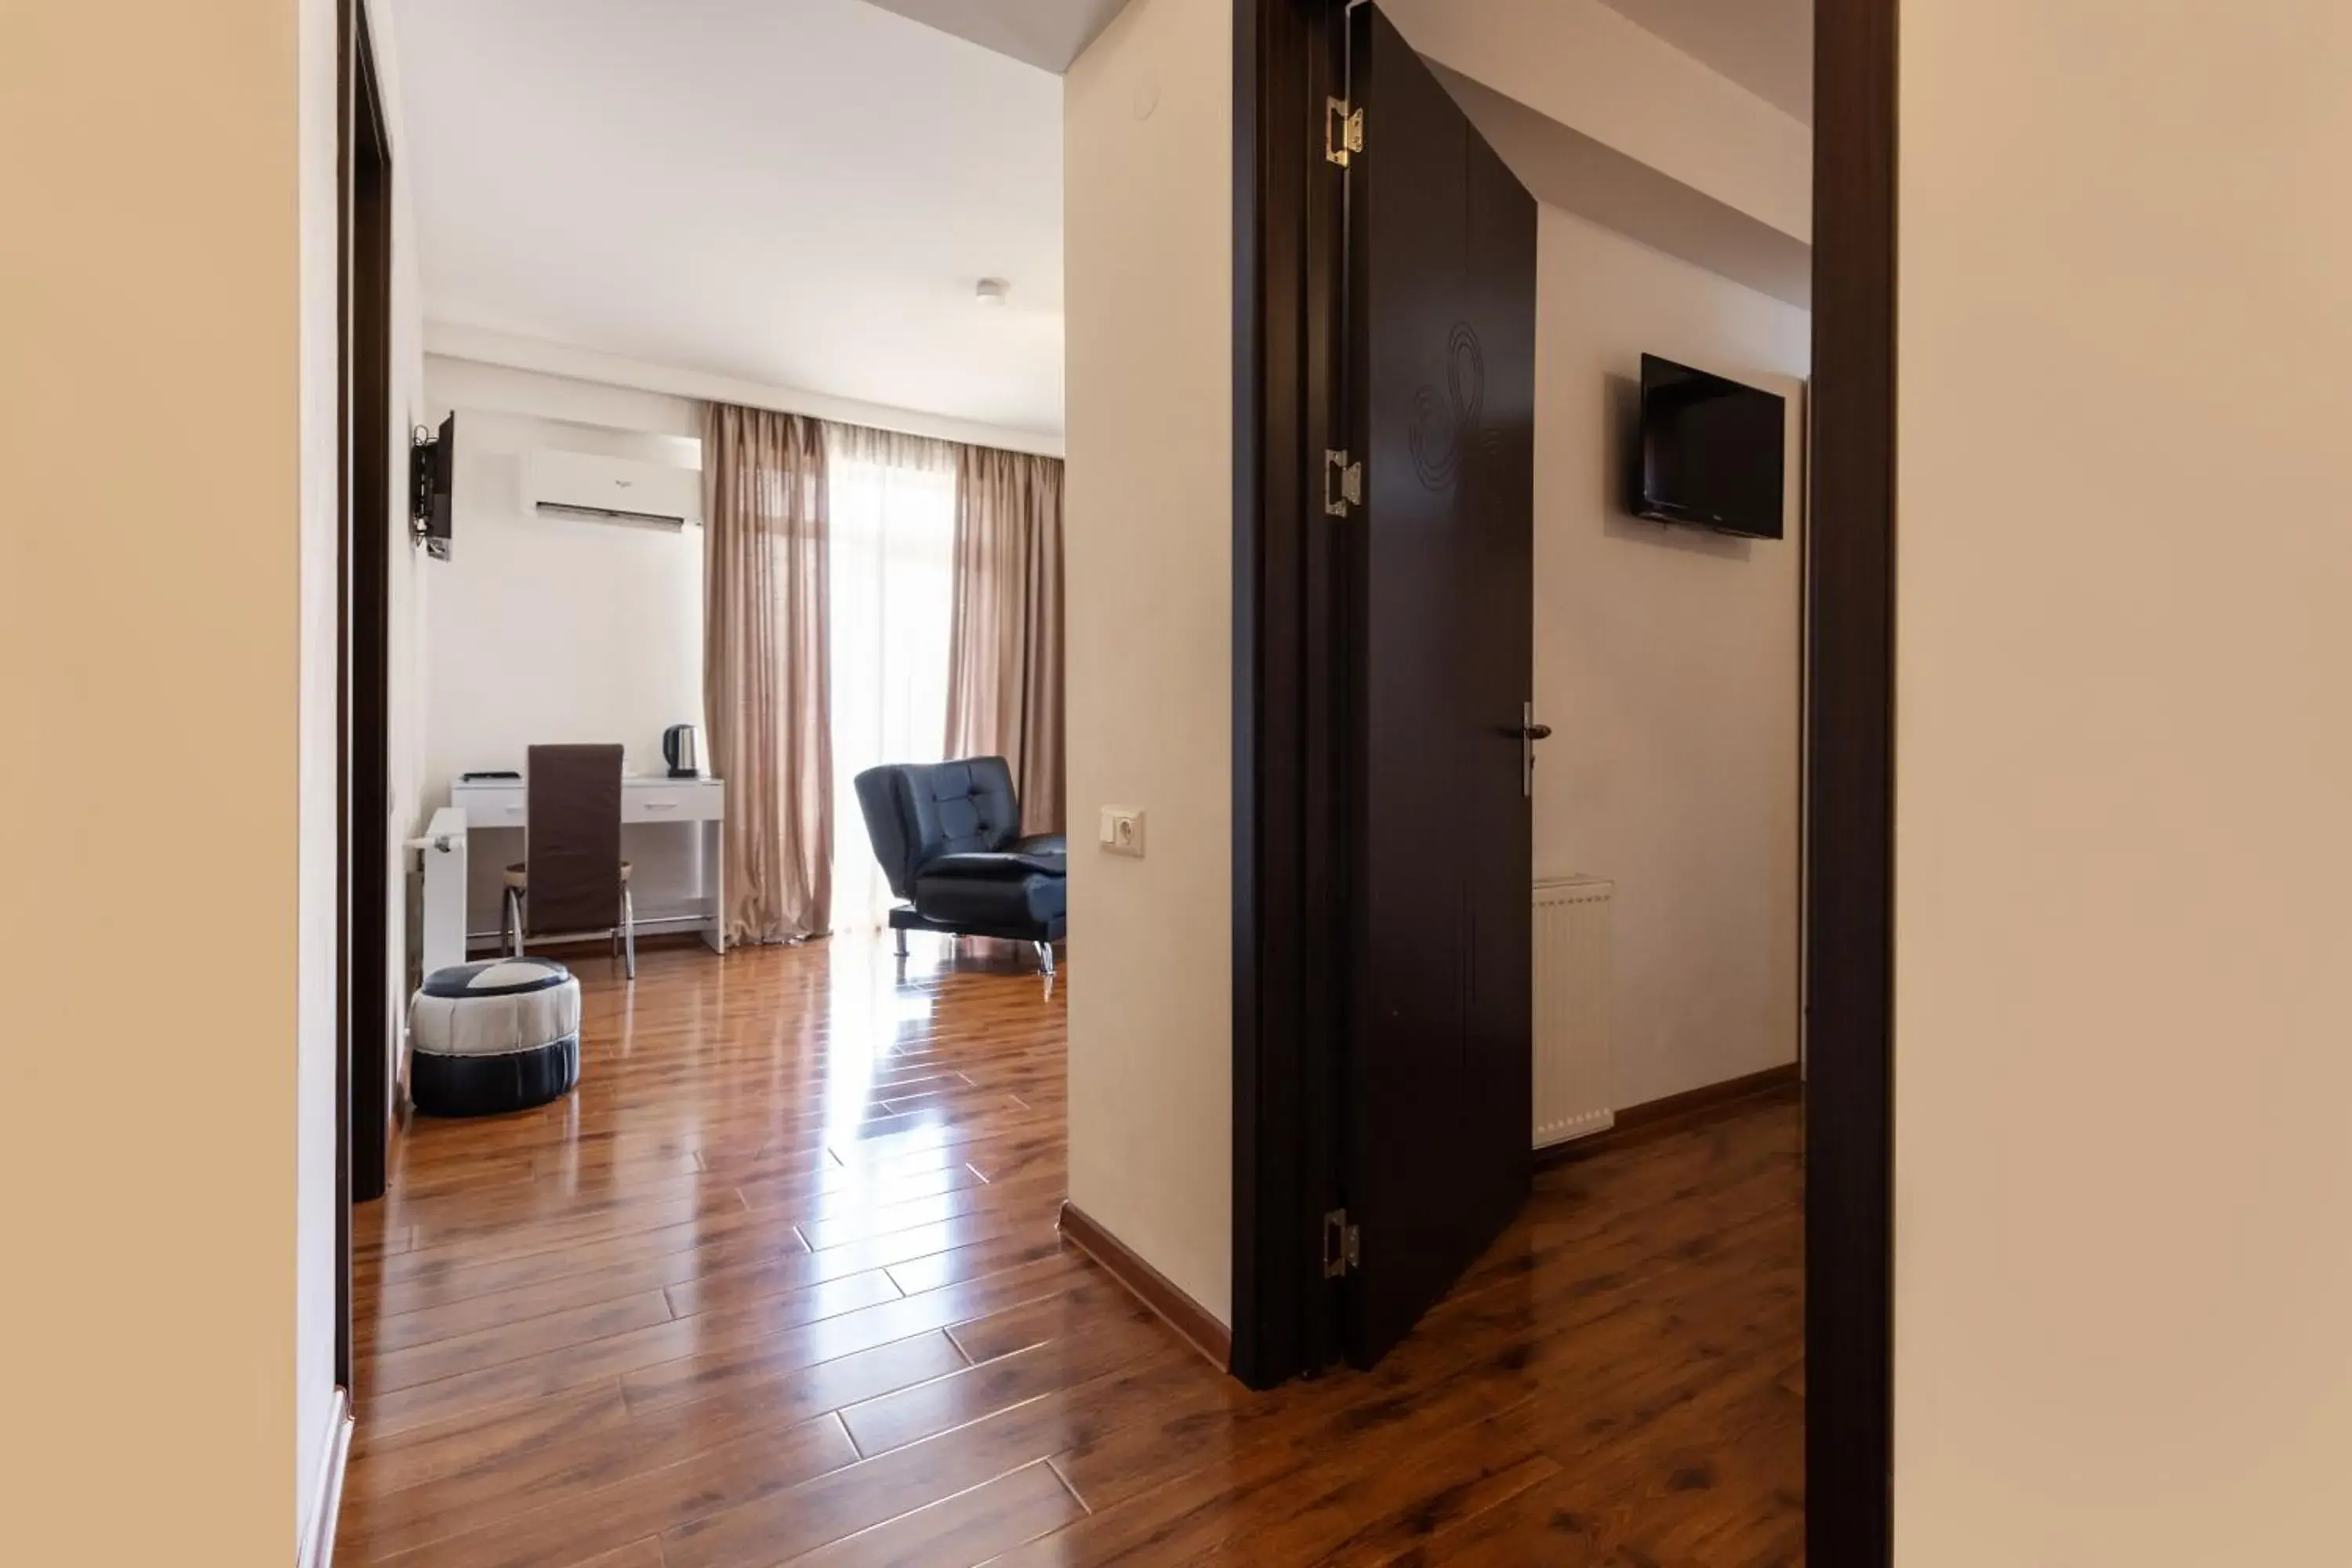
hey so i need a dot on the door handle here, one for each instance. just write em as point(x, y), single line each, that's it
point(1528, 732)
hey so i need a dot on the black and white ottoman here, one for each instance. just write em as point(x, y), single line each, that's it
point(502, 1035)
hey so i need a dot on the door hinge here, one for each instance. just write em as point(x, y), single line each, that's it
point(1341, 1248)
point(1343, 483)
point(1343, 130)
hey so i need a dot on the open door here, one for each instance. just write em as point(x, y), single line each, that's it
point(1441, 385)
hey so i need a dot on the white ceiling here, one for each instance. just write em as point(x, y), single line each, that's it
point(1047, 33)
point(1765, 45)
point(798, 192)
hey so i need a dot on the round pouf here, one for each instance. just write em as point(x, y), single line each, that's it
point(502, 1035)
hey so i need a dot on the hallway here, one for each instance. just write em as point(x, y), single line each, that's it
point(781, 1283)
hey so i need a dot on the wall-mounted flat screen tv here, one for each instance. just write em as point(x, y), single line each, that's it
point(432, 483)
point(1714, 453)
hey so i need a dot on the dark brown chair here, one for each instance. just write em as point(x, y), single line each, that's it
point(572, 879)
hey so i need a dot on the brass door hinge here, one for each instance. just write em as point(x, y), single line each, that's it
point(1342, 1250)
point(1343, 130)
point(1343, 483)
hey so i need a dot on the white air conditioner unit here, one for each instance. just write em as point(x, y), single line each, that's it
point(613, 489)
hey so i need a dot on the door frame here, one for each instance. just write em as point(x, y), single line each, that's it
point(1289, 663)
point(1287, 798)
point(1850, 806)
point(364, 542)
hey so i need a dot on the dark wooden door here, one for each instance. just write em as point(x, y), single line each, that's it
point(1441, 298)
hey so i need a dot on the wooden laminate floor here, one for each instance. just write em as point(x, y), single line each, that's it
point(781, 1283)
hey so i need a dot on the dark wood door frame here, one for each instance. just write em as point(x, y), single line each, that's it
point(1849, 826)
point(1289, 658)
point(366, 543)
point(1289, 892)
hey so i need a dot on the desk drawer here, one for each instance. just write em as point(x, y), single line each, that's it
point(682, 802)
point(503, 804)
point(488, 804)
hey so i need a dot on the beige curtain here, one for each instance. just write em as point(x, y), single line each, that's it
point(765, 675)
point(1005, 648)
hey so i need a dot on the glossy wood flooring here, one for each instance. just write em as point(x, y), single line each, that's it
point(780, 1283)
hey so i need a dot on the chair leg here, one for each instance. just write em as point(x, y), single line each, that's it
point(629, 933)
point(1044, 957)
point(513, 924)
point(900, 933)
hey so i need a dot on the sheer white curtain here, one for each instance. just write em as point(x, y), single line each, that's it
point(893, 504)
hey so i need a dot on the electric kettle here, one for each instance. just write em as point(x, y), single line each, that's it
point(681, 752)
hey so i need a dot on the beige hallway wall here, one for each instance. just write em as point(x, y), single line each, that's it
point(167, 634)
point(151, 641)
point(2124, 945)
point(1149, 562)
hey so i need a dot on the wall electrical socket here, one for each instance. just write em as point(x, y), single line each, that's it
point(1122, 830)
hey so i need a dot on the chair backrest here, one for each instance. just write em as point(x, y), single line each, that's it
point(571, 839)
point(916, 812)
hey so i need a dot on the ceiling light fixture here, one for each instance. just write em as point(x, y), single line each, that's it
point(992, 292)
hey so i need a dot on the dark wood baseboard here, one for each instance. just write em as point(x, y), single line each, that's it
point(1148, 1285)
point(1652, 1118)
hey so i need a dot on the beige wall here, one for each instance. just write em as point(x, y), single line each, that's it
point(149, 640)
point(1148, 260)
point(1668, 663)
point(167, 636)
point(2123, 960)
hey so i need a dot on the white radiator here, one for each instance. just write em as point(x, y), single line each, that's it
point(1575, 1064)
point(440, 901)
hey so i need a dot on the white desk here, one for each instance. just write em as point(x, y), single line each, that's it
point(700, 806)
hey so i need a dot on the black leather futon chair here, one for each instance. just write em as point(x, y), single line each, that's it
point(949, 838)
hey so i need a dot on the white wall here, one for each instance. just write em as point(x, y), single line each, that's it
point(1149, 182)
point(2123, 940)
point(547, 630)
point(1668, 664)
